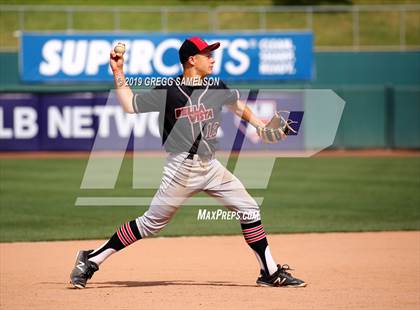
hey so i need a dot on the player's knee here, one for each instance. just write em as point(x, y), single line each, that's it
point(154, 220)
point(149, 227)
point(250, 214)
point(250, 217)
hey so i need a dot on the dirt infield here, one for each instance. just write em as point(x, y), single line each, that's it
point(344, 271)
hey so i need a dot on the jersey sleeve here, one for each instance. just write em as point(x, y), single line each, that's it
point(153, 100)
point(231, 94)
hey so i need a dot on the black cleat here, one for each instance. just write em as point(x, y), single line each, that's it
point(280, 278)
point(83, 269)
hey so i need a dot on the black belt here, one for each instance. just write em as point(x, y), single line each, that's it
point(202, 156)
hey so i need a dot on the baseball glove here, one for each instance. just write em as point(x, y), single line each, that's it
point(276, 129)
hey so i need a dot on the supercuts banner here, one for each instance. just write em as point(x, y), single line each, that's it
point(241, 57)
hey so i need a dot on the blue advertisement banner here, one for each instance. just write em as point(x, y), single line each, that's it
point(241, 57)
point(81, 121)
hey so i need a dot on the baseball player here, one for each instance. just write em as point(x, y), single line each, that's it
point(189, 117)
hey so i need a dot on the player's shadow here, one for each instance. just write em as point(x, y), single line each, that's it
point(111, 284)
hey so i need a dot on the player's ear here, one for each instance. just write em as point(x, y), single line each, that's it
point(191, 60)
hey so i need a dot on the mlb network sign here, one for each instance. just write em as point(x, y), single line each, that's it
point(241, 57)
point(78, 121)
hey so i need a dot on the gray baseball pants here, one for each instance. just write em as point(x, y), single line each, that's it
point(182, 178)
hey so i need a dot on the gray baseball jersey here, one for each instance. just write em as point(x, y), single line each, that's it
point(189, 118)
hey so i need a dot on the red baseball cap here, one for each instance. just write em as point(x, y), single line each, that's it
point(193, 46)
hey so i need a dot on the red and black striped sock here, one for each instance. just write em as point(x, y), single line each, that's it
point(125, 235)
point(256, 238)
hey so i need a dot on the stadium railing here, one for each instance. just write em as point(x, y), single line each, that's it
point(357, 27)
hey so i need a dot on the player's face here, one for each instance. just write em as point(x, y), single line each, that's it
point(204, 63)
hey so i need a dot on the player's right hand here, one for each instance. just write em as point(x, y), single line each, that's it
point(116, 61)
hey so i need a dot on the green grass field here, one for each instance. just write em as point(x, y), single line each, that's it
point(304, 195)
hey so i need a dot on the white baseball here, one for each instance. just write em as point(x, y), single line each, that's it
point(119, 48)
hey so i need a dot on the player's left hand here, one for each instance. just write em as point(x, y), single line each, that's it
point(270, 135)
point(275, 130)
